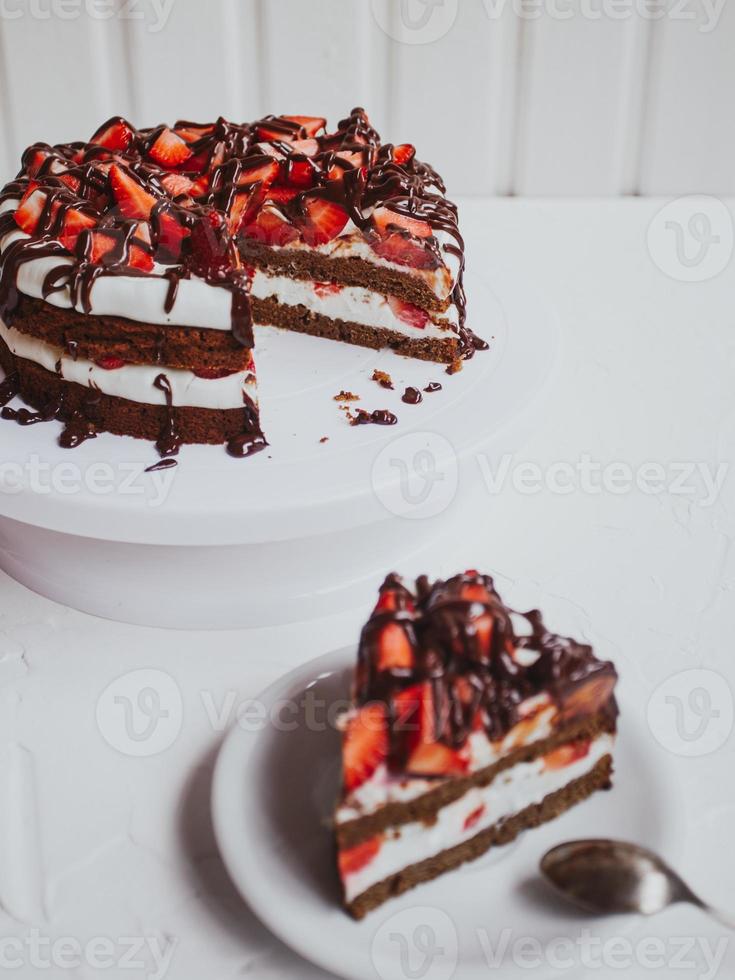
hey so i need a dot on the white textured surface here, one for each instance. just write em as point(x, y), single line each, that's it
point(527, 96)
point(94, 842)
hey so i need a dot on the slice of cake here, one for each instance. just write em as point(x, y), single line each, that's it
point(470, 723)
point(132, 268)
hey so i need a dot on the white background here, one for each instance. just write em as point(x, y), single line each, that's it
point(539, 97)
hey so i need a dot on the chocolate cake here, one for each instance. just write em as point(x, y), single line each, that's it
point(133, 267)
point(470, 723)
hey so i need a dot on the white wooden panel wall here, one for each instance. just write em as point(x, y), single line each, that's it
point(506, 98)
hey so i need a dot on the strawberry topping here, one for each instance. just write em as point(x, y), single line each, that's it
point(365, 745)
point(170, 150)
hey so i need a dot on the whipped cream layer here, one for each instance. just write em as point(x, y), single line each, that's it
point(135, 382)
point(509, 793)
point(351, 303)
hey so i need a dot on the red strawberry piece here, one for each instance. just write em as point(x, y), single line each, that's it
point(475, 592)
point(193, 133)
point(473, 818)
point(355, 158)
point(403, 153)
point(178, 184)
point(483, 629)
point(386, 221)
point(307, 148)
point(260, 169)
point(269, 150)
point(565, 755)
point(356, 858)
point(435, 759)
point(70, 180)
point(324, 220)
point(36, 161)
point(282, 195)
point(311, 125)
point(414, 316)
point(210, 245)
point(105, 244)
point(169, 149)
point(273, 133)
point(414, 719)
point(365, 745)
point(132, 198)
point(30, 209)
point(245, 207)
point(74, 224)
point(213, 374)
point(589, 696)
point(405, 250)
point(270, 227)
point(323, 289)
point(171, 234)
point(110, 363)
point(300, 173)
point(115, 134)
point(395, 651)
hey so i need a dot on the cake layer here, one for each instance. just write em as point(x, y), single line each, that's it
point(428, 854)
point(135, 382)
point(391, 802)
point(299, 318)
point(96, 337)
point(66, 400)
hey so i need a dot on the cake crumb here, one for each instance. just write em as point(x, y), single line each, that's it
point(347, 396)
point(324, 439)
point(383, 379)
point(455, 366)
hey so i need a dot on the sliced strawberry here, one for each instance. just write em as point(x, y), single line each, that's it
point(245, 207)
point(274, 133)
point(72, 182)
point(210, 249)
point(132, 198)
point(475, 591)
point(403, 249)
point(365, 745)
point(386, 221)
point(473, 818)
point(193, 133)
point(30, 209)
point(169, 149)
point(110, 363)
point(282, 195)
point(565, 755)
point(395, 651)
point(414, 720)
point(74, 224)
point(356, 858)
point(414, 316)
point(324, 220)
point(103, 244)
point(307, 148)
point(300, 173)
point(178, 184)
point(171, 234)
point(310, 124)
point(115, 134)
point(264, 170)
point(36, 161)
point(270, 227)
point(483, 627)
point(589, 696)
point(403, 153)
point(435, 759)
point(355, 158)
point(269, 150)
point(213, 374)
point(324, 289)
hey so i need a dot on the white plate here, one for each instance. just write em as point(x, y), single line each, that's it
point(273, 792)
point(299, 486)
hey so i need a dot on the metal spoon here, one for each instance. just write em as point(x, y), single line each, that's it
point(609, 876)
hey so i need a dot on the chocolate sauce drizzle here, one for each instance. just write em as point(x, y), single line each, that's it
point(433, 386)
point(462, 641)
point(412, 396)
point(380, 416)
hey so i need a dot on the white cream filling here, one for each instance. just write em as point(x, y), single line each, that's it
point(382, 788)
point(352, 303)
point(135, 382)
point(509, 793)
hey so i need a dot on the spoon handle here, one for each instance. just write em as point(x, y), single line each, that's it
point(722, 917)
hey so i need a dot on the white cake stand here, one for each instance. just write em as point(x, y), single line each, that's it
point(304, 529)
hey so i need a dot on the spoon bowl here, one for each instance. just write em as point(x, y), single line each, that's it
point(611, 877)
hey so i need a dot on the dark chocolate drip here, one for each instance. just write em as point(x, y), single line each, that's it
point(78, 426)
point(9, 388)
point(458, 638)
point(169, 440)
point(433, 386)
point(251, 440)
point(412, 396)
point(162, 464)
point(380, 416)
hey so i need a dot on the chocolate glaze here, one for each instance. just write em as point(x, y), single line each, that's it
point(433, 386)
point(380, 416)
point(412, 396)
point(462, 641)
point(169, 441)
point(162, 464)
point(9, 388)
